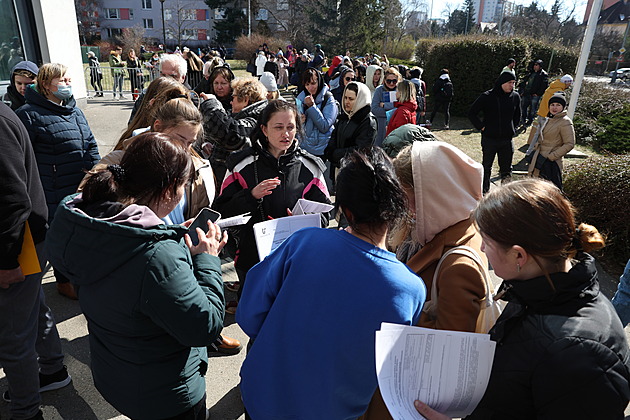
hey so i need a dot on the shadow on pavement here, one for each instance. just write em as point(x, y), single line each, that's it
point(229, 407)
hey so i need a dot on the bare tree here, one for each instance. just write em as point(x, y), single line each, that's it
point(132, 38)
point(180, 17)
point(89, 17)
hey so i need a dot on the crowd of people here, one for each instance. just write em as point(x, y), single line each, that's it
point(116, 231)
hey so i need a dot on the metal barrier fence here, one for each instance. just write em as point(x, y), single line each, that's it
point(143, 77)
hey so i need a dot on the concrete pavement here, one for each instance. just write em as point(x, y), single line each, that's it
point(80, 400)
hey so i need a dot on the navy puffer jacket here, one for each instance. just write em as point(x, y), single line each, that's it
point(63, 143)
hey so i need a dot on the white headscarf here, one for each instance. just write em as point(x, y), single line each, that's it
point(447, 186)
point(364, 97)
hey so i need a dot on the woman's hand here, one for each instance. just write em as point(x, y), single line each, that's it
point(205, 96)
point(381, 104)
point(266, 187)
point(429, 413)
point(210, 243)
point(308, 101)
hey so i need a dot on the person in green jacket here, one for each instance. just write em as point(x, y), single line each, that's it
point(152, 300)
point(118, 74)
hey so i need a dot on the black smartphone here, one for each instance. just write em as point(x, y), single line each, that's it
point(201, 221)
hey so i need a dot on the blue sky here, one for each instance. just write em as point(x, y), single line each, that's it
point(440, 5)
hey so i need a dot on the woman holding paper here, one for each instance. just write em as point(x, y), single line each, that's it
point(314, 317)
point(443, 187)
point(383, 100)
point(561, 349)
point(152, 300)
point(267, 178)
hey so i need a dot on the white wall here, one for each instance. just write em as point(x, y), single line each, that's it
point(58, 35)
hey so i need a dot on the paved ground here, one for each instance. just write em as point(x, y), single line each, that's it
point(80, 400)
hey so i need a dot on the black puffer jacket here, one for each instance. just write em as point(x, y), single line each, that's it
point(63, 143)
point(501, 113)
point(301, 176)
point(350, 134)
point(559, 355)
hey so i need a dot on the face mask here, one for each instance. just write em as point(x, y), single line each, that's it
point(63, 92)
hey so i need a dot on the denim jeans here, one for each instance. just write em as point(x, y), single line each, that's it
point(504, 150)
point(118, 83)
point(29, 341)
point(531, 102)
point(621, 300)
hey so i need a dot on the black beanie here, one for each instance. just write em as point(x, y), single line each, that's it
point(504, 77)
point(558, 98)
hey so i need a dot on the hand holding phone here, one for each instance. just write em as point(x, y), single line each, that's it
point(201, 221)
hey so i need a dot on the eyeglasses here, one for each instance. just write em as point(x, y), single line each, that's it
point(391, 81)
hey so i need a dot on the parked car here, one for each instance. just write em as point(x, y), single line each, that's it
point(623, 73)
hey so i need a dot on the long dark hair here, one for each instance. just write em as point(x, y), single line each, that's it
point(153, 164)
point(367, 186)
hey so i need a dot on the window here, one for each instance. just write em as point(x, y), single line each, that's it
point(146, 4)
point(189, 33)
point(262, 14)
point(147, 23)
point(282, 5)
point(112, 14)
point(114, 32)
point(189, 14)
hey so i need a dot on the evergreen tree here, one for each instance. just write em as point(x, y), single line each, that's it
point(234, 22)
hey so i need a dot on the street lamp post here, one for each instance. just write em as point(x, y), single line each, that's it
point(163, 25)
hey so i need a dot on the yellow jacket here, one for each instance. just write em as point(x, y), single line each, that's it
point(555, 86)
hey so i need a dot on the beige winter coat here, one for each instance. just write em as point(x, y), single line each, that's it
point(556, 140)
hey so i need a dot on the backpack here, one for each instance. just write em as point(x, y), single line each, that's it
point(443, 90)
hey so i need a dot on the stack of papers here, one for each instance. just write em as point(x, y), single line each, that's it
point(447, 370)
point(241, 219)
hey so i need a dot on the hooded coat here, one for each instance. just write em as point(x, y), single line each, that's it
point(354, 129)
point(556, 140)
point(447, 187)
point(338, 91)
point(63, 143)
point(320, 119)
point(369, 76)
point(501, 111)
point(405, 114)
point(555, 87)
point(13, 98)
point(151, 307)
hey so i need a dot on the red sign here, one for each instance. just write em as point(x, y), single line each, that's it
point(620, 59)
point(599, 62)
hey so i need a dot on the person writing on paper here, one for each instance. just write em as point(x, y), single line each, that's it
point(562, 352)
point(443, 187)
point(291, 297)
point(267, 178)
point(152, 300)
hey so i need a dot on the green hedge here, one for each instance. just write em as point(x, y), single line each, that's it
point(475, 61)
point(599, 188)
point(602, 118)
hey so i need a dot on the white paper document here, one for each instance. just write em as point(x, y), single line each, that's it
point(304, 206)
point(271, 233)
point(241, 219)
point(447, 370)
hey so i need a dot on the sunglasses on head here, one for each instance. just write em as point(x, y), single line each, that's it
point(391, 80)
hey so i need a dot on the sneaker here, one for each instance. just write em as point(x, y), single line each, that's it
point(50, 382)
point(225, 345)
point(446, 127)
point(123, 97)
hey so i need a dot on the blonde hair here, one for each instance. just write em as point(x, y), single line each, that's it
point(404, 171)
point(274, 95)
point(177, 112)
point(391, 70)
point(46, 74)
point(250, 88)
point(158, 93)
point(407, 91)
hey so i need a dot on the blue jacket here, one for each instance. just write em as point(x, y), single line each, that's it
point(320, 122)
point(328, 371)
point(380, 113)
point(63, 143)
point(151, 307)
